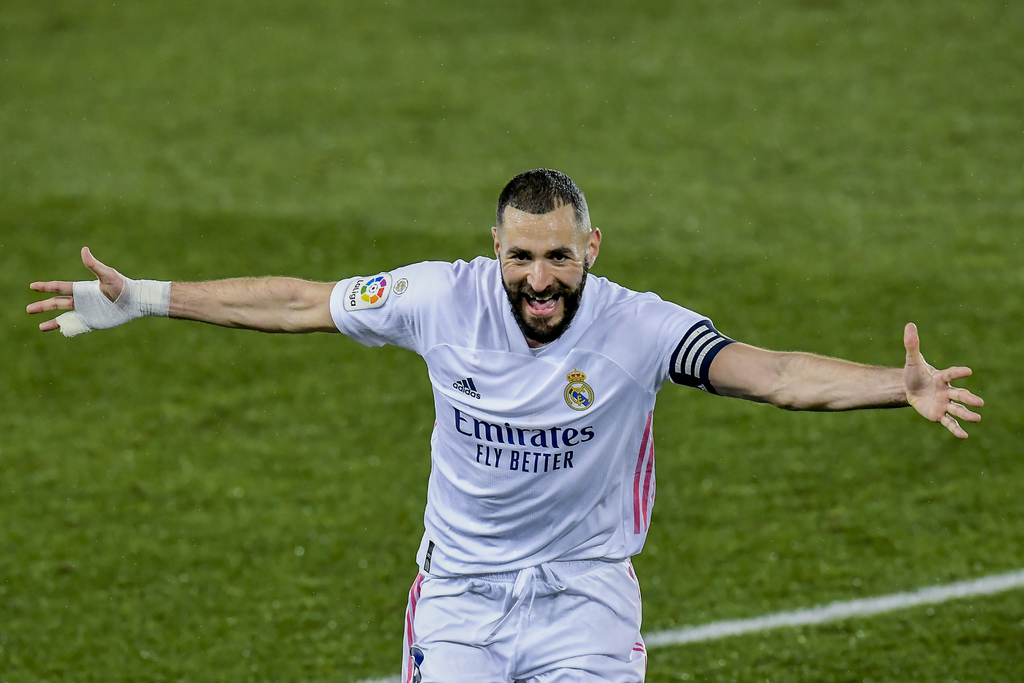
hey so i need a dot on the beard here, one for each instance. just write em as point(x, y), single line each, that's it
point(539, 330)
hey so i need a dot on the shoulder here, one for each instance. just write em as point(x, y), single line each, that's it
point(442, 283)
point(434, 280)
point(610, 296)
point(646, 335)
point(445, 292)
point(444, 272)
point(481, 270)
point(643, 309)
point(413, 306)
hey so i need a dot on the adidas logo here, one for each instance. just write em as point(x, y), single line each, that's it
point(467, 387)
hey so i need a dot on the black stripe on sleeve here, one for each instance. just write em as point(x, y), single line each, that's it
point(691, 361)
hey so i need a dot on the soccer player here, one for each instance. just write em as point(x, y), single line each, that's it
point(542, 458)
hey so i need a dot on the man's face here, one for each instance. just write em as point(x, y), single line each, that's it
point(544, 261)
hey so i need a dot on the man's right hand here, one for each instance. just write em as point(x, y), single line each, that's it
point(111, 283)
point(269, 304)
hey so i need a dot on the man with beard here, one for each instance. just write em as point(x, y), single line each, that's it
point(542, 458)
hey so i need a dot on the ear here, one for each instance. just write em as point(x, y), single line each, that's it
point(594, 244)
point(497, 242)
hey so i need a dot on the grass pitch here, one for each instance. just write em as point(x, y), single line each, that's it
point(191, 503)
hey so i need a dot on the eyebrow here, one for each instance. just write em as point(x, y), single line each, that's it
point(560, 251)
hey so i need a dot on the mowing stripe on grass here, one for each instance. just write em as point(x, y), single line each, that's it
point(832, 612)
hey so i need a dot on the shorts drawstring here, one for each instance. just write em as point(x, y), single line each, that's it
point(524, 590)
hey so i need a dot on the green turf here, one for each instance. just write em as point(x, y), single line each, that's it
point(191, 503)
point(961, 641)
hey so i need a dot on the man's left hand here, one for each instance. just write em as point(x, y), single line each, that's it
point(930, 392)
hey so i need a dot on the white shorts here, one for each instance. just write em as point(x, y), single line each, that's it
point(561, 622)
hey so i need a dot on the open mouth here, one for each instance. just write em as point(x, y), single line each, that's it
point(541, 308)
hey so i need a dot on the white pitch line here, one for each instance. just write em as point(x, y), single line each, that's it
point(835, 611)
point(839, 610)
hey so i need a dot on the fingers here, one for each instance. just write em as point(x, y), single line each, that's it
point(955, 410)
point(111, 281)
point(963, 413)
point(100, 270)
point(953, 426)
point(911, 341)
point(964, 396)
point(54, 287)
point(57, 303)
point(951, 374)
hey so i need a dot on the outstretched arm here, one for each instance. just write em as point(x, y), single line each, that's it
point(269, 304)
point(265, 304)
point(803, 381)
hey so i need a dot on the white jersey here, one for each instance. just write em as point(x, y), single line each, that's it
point(537, 455)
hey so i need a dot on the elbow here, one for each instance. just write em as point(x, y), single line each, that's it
point(307, 308)
point(787, 400)
point(784, 391)
point(782, 379)
point(792, 404)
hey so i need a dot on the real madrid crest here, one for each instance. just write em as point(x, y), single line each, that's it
point(578, 394)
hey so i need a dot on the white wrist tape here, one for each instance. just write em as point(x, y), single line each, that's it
point(94, 311)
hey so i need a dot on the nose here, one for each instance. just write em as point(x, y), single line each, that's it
point(539, 276)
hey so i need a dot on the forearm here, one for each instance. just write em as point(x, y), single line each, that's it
point(806, 381)
point(272, 304)
point(803, 381)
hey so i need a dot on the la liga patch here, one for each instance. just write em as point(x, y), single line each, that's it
point(368, 292)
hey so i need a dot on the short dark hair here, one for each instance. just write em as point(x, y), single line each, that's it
point(541, 191)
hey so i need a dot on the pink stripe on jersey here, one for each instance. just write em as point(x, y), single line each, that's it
point(410, 633)
point(638, 476)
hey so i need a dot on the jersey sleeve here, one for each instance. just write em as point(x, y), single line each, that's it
point(690, 362)
point(685, 343)
point(393, 307)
